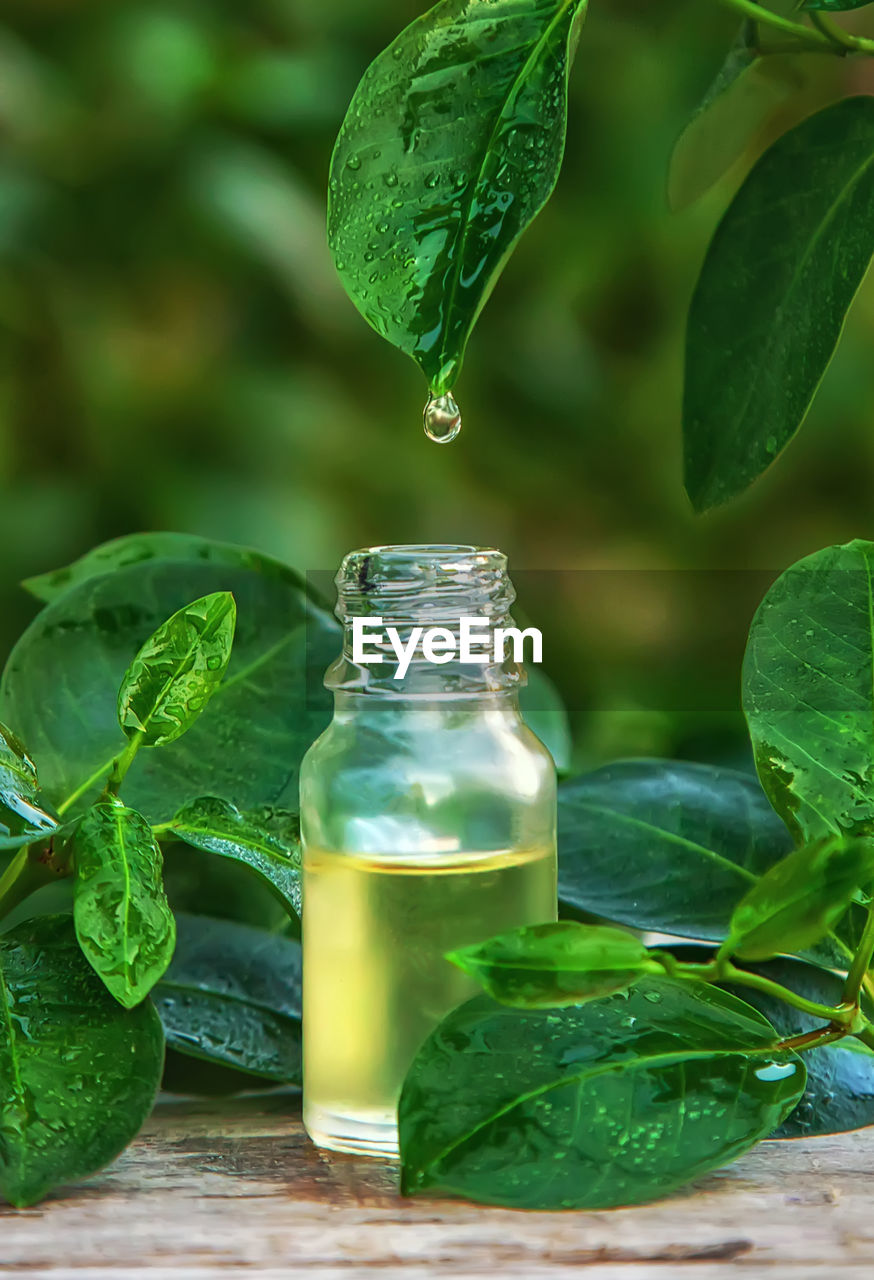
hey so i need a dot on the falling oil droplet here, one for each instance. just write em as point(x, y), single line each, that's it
point(442, 419)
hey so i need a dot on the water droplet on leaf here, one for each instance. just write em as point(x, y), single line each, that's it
point(442, 419)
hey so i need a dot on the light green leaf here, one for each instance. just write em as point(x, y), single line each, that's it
point(776, 285)
point(22, 819)
point(124, 925)
point(531, 1109)
point(266, 840)
point(247, 744)
point(732, 113)
point(78, 1074)
point(550, 965)
point(451, 146)
point(232, 997)
point(177, 671)
point(808, 692)
point(799, 900)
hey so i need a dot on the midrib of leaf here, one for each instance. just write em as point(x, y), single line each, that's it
point(584, 1077)
point(231, 837)
point(670, 837)
point(460, 241)
point(128, 965)
point(816, 238)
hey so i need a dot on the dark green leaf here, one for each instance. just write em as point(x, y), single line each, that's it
point(799, 900)
point(549, 965)
point(613, 1102)
point(840, 1077)
point(78, 1074)
point(732, 113)
point(807, 692)
point(123, 922)
point(451, 146)
point(664, 845)
point(247, 745)
point(177, 671)
point(232, 997)
point(835, 6)
point(775, 288)
point(21, 818)
point(266, 840)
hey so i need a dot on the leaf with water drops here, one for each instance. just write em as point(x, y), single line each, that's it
point(555, 964)
point(839, 1094)
point(798, 901)
point(772, 297)
point(78, 1074)
point(22, 819)
point(59, 687)
point(451, 146)
point(232, 997)
point(614, 1102)
point(808, 693)
point(177, 671)
point(123, 922)
point(266, 840)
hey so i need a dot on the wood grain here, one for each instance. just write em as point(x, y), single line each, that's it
point(213, 1188)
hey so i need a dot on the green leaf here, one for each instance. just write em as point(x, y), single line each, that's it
point(177, 671)
point(776, 285)
point(124, 925)
point(732, 113)
point(78, 1074)
point(452, 144)
point(549, 965)
point(247, 744)
point(22, 820)
point(839, 1094)
point(800, 899)
point(141, 548)
point(808, 692)
point(266, 840)
point(232, 997)
point(835, 6)
point(664, 845)
point(614, 1102)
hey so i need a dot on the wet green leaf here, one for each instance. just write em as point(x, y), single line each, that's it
point(776, 285)
point(451, 146)
point(124, 925)
point(247, 744)
point(807, 692)
point(177, 671)
point(839, 1094)
point(690, 840)
point(22, 819)
point(531, 1109)
point(732, 113)
point(799, 900)
point(266, 840)
point(232, 997)
point(78, 1074)
point(549, 965)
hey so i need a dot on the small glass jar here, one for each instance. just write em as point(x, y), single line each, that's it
point(428, 817)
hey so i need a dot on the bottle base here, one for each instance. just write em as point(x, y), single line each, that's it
point(360, 1133)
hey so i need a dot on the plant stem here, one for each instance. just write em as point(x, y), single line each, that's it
point(117, 767)
point(759, 14)
point(720, 971)
point(85, 786)
point(835, 35)
point(861, 962)
point(123, 763)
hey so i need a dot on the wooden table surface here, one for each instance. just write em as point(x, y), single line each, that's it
point(213, 1188)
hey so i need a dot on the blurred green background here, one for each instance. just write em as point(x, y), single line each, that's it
point(177, 353)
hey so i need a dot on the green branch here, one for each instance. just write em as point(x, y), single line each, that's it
point(843, 1016)
point(824, 35)
point(861, 962)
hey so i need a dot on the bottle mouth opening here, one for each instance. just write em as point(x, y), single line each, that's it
point(424, 582)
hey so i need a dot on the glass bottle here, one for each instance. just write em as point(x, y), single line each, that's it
point(428, 816)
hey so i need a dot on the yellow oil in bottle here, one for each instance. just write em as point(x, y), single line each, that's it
point(376, 980)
